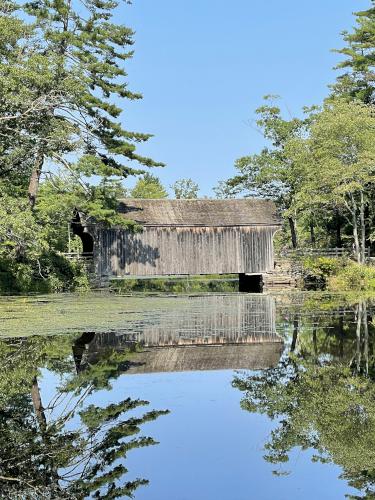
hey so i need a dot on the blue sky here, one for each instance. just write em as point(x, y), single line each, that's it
point(203, 67)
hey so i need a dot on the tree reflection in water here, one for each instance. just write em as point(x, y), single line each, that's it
point(68, 448)
point(322, 395)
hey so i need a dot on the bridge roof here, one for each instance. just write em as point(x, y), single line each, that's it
point(200, 212)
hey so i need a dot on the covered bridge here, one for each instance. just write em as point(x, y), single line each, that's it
point(182, 237)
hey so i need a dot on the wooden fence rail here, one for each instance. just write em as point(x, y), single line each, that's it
point(321, 252)
point(78, 256)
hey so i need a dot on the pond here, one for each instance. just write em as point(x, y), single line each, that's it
point(235, 396)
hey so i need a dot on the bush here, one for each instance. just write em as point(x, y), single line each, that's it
point(338, 274)
point(353, 277)
point(51, 273)
point(318, 270)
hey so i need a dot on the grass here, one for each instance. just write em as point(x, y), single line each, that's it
point(189, 284)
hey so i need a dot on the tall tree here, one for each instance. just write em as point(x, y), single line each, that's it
point(358, 79)
point(323, 403)
point(78, 53)
point(339, 158)
point(65, 447)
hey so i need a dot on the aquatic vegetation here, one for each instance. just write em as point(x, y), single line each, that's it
point(64, 313)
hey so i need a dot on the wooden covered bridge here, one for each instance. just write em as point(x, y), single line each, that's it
point(183, 237)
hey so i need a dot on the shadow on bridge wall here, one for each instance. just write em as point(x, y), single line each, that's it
point(137, 252)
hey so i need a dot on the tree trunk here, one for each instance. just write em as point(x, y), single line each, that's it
point(357, 250)
point(51, 475)
point(315, 342)
point(342, 335)
point(338, 231)
point(312, 234)
point(363, 229)
point(293, 232)
point(35, 178)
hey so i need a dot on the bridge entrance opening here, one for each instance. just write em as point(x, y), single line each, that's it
point(250, 283)
point(86, 238)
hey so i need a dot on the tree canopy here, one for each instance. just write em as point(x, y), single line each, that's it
point(357, 80)
point(75, 56)
point(185, 188)
point(149, 186)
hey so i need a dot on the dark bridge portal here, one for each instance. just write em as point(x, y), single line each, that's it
point(82, 232)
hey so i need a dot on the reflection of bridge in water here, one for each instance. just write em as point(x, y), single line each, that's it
point(202, 333)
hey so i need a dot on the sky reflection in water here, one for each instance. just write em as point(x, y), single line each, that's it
point(211, 443)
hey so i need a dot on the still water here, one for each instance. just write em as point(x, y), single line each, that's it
point(225, 397)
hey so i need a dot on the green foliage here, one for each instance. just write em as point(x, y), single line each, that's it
point(319, 170)
point(320, 269)
point(338, 274)
point(338, 157)
point(325, 408)
point(83, 52)
point(149, 186)
point(59, 198)
point(223, 191)
point(353, 277)
point(185, 188)
point(29, 246)
point(357, 81)
point(19, 233)
point(61, 144)
point(272, 173)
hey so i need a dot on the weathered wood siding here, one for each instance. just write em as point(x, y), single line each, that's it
point(185, 250)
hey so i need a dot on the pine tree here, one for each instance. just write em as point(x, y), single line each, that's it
point(358, 81)
point(21, 74)
point(81, 54)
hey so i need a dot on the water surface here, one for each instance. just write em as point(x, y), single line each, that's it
point(202, 397)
